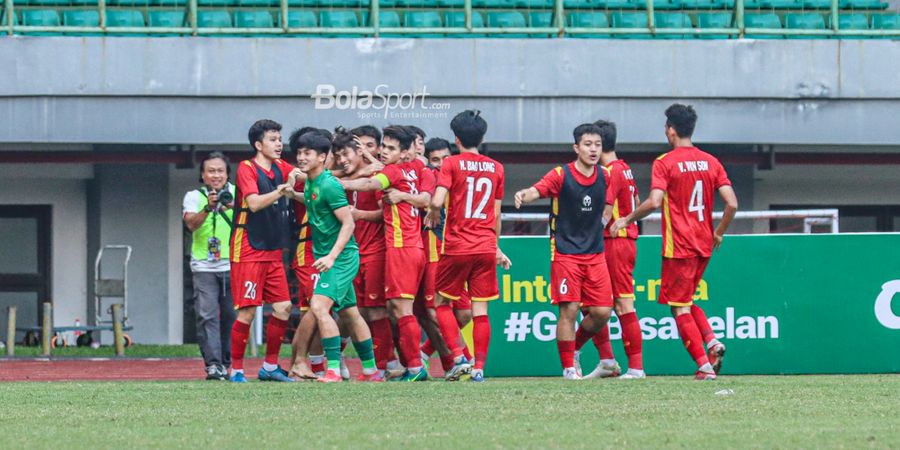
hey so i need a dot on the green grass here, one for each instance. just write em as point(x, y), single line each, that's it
point(784, 412)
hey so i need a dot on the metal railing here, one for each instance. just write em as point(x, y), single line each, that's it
point(559, 28)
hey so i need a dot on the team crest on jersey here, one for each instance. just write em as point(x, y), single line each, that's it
point(586, 201)
point(409, 176)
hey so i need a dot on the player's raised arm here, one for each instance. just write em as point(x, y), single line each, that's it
point(365, 184)
point(652, 203)
point(421, 200)
point(526, 196)
point(731, 206)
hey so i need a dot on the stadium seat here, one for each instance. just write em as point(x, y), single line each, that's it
point(298, 19)
point(862, 4)
point(388, 3)
point(423, 19)
point(41, 2)
point(886, 22)
point(589, 20)
point(40, 18)
point(622, 19)
point(493, 4)
point(451, 3)
point(165, 18)
point(809, 21)
point(301, 3)
point(752, 4)
point(81, 18)
point(128, 3)
point(124, 18)
point(817, 4)
point(663, 5)
point(93, 3)
point(848, 21)
point(618, 4)
point(253, 19)
point(217, 3)
point(339, 19)
point(168, 2)
point(213, 19)
point(507, 19)
point(579, 4)
point(540, 19)
point(672, 20)
point(252, 3)
point(534, 4)
point(708, 4)
point(386, 19)
point(781, 4)
point(457, 19)
point(714, 20)
point(762, 20)
point(15, 19)
point(343, 3)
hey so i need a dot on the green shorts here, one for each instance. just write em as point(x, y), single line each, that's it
point(337, 283)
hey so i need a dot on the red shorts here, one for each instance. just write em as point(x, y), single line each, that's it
point(307, 277)
point(479, 271)
point(403, 272)
point(369, 282)
point(255, 283)
point(680, 277)
point(426, 287)
point(620, 256)
point(464, 302)
point(586, 282)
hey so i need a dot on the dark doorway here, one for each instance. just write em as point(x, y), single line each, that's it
point(25, 278)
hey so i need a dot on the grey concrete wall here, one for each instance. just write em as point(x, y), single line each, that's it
point(182, 90)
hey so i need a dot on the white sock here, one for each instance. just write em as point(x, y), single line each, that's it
point(636, 371)
point(477, 371)
point(706, 368)
point(369, 371)
point(458, 359)
point(269, 367)
point(395, 364)
point(414, 370)
point(316, 359)
point(714, 342)
point(608, 362)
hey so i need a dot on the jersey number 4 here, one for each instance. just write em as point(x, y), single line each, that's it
point(696, 203)
point(482, 186)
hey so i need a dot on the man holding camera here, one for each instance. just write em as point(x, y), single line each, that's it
point(208, 214)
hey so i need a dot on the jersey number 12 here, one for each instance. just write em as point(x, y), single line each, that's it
point(482, 186)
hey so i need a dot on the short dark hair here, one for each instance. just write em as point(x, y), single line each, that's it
point(583, 129)
point(368, 130)
point(469, 127)
point(435, 144)
point(259, 129)
point(293, 141)
point(607, 134)
point(417, 131)
point(215, 155)
point(314, 140)
point(343, 138)
point(402, 134)
point(682, 118)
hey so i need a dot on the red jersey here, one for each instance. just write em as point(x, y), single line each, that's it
point(474, 182)
point(246, 181)
point(620, 183)
point(303, 255)
point(402, 222)
point(689, 177)
point(550, 186)
point(369, 235)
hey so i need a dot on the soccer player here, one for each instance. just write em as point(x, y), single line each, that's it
point(578, 273)
point(405, 258)
point(370, 139)
point(419, 143)
point(470, 254)
point(621, 253)
point(683, 182)
point(337, 257)
point(260, 233)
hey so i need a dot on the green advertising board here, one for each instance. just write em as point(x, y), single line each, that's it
point(782, 304)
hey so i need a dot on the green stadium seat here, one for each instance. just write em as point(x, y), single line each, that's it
point(886, 22)
point(457, 19)
point(41, 2)
point(93, 3)
point(714, 20)
point(762, 20)
point(663, 5)
point(167, 19)
point(15, 19)
point(506, 19)
point(253, 3)
point(253, 19)
point(850, 21)
point(386, 19)
point(451, 3)
point(168, 2)
point(144, 3)
point(589, 20)
point(493, 4)
point(752, 4)
point(302, 3)
point(343, 3)
point(81, 18)
point(579, 4)
point(217, 3)
point(214, 19)
point(339, 19)
point(618, 4)
point(540, 19)
point(809, 21)
point(298, 19)
point(534, 4)
point(708, 4)
point(781, 4)
point(124, 18)
point(816, 4)
point(862, 4)
point(623, 19)
point(672, 20)
point(423, 19)
point(387, 3)
point(40, 18)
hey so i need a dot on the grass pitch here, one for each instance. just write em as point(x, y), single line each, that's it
point(783, 412)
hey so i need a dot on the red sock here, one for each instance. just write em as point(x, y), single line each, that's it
point(566, 353)
point(447, 362)
point(410, 337)
point(320, 367)
point(702, 324)
point(465, 349)
point(632, 340)
point(601, 341)
point(240, 331)
point(581, 338)
point(427, 348)
point(481, 334)
point(690, 335)
point(395, 335)
point(274, 337)
point(449, 329)
point(382, 341)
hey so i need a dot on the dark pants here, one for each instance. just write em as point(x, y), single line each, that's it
point(215, 316)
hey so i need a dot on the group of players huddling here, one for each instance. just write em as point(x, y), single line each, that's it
point(396, 236)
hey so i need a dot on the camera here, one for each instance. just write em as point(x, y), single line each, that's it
point(225, 197)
